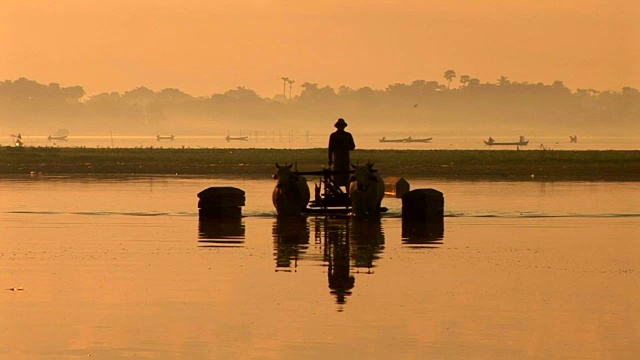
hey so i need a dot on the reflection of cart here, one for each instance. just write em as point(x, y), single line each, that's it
point(328, 197)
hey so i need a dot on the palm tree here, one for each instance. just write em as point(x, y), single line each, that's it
point(503, 81)
point(290, 85)
point(449, 75)
point(284, 86)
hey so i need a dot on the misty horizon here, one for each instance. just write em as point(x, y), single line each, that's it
point(280, 94)
point(458, 104)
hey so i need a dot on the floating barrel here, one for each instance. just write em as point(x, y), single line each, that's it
point(221, 201)
point(395, 186)
point(423, 205)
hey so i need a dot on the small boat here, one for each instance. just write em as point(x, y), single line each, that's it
point(61, 134)
point(385, 140)
point(425, 140)
point(405, 140)
point(165, 137)
point(241, 138)
point(573, 139)
point(57, 137)
point(520, 142)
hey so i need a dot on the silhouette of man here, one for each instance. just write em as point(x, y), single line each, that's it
point(340, 144)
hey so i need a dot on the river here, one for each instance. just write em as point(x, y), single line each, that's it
point(122, 267)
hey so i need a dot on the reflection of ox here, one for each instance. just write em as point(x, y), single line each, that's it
point(366, 191)
point(291, 194)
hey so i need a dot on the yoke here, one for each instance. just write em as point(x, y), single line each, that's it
point(328, 197)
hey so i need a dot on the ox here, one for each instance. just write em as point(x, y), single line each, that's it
point(291, 193)
point(366, 191)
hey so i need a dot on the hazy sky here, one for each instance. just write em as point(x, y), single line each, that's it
point(210, 46)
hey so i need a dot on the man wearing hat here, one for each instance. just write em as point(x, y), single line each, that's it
point(340, 144)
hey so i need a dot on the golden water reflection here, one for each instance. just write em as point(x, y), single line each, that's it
point(347, 245)
point(291, 240)
point(422, 234)
point(342, 245)
point(221, 232)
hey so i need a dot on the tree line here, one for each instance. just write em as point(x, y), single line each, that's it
point(459, 102)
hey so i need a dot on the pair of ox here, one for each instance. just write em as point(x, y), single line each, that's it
point(291, 194)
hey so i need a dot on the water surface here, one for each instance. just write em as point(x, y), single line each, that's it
point(123, 267)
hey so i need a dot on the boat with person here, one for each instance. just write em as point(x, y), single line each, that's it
point(165, 137)
point(521, 142)
point(17, 140)
point(405, 140)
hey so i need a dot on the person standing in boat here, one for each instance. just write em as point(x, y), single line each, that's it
point(340, 145)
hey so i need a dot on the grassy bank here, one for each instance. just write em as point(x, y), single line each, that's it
point(463, 164)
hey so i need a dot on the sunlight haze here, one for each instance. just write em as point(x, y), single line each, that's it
point(207, 47)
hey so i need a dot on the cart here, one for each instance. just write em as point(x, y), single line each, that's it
point(329, 198)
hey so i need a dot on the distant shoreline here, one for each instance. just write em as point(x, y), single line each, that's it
point(587, 165)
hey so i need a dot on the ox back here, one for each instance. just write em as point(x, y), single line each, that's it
point(291, 194)
point(366, 191)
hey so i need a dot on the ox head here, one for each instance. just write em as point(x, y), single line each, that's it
point(284, 175)
point(363, 176)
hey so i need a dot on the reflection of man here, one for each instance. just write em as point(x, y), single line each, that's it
point(340, 279)
point(340, 144)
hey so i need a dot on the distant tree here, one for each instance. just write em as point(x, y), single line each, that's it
point(106, 105)
point(464, 80)
point(173, 95)
point(473, 82)
point(26, 89)
point(345, 90)
point(113, 97)
point(308, 88)
point(285, 80)
point(365, 90)
point(559, 87)
point(629, 91)
point(73, 92)
point(140, 95)
point(313, 93)
point(290, 86)
point(449, 75)
point(422, 86)
point(366, 93)
point(398, 90)
point(586, 92)
point(242, 93)
point(582, 92)
point(503, 81)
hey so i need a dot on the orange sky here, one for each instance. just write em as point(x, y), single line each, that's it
point(209, 46)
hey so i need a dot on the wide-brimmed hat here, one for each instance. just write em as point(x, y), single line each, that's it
point(340, 123)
